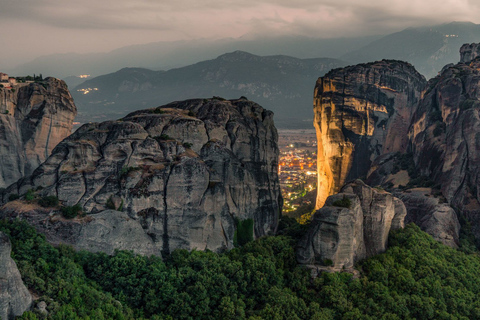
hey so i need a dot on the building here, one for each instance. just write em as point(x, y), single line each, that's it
point(3, 77)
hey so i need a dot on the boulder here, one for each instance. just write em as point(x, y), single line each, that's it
point(431, 214)
point(353, 225)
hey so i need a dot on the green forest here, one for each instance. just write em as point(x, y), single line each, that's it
point(417, 278)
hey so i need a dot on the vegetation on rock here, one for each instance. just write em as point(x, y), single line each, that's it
point(417, 277)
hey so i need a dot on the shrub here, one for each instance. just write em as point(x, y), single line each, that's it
point(120, 207)
point(30, 195)
point(13, 196)
point(48, 201)
point(188, 145)
point(70, 212)
point(345, 202)
point(244, 232)
point(191, 113)
point(158, 111)
point(328, 262)
point(110, 204)
point(126, 170)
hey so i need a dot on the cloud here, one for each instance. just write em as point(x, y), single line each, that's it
point(92, 25)
point(184, 15)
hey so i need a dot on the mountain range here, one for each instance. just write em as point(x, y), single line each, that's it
point(280, 83)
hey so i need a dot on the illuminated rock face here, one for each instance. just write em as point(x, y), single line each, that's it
point(361, 112)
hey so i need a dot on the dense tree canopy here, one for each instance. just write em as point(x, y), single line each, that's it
point(417, 278)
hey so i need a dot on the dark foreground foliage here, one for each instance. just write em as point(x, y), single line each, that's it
point(417, 278)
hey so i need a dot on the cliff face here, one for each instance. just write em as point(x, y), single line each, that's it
point(340, 236)
point(360, 113)
point(445, 135)
point(469, 52)
point(33, 119)
point(184, 172)
point(14, 296)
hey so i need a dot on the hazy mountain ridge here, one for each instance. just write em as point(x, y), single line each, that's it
point(168, 55)
point(427, 48)
point(280, 83)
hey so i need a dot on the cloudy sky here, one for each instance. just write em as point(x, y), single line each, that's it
point(30, 28)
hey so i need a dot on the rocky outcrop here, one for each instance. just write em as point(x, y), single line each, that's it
point(432, 215)
point(105, 231)
point(14, 296)
point(445, 136)
point(360, 113)
point(34, 118)
point(354, 224)
point(469, 52)
point(185, 172)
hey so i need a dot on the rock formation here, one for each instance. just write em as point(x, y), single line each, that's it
point(104, 231)
point(469, 52)
point(14, 296)
point(445, 135)
point(185, 172)
point(360, 113)
point(432, 215)
point(34, 118)
point(354, 224)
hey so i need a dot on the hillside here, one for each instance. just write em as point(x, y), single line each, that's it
point(280, 83)
point(417, 278)
point(427, 48)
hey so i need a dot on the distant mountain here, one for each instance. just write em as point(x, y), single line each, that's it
point(279, 83)
point(168, 55)
point(427, 48)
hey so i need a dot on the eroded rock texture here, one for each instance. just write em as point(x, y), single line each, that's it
point(445, 135)
point(469, 52)
point(34, 118)
point(184, 171)
point(340, 236)
point(14, 296)
point(432, 215)
point(360, 113)
point(105, 231)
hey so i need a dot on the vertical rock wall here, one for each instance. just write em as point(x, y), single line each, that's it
point(14, 296)
point(34, 118)
point(361, 112)
point(186, 172)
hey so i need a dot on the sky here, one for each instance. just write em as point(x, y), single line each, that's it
point(31, 28)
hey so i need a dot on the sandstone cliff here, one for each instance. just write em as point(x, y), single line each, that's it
point(360, 113)
point(184, 172)
point(34, 118)
point(353, 225)
point(445, 135)
point(14, 296)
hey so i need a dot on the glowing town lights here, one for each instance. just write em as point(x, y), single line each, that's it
point(87, 90)
point(84, 76)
